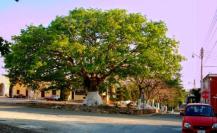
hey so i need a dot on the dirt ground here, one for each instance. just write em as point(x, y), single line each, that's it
point(46, 120)
point(9, 129)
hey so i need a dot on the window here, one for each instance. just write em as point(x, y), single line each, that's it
point(54, 92)
point(18, 92)
point(42, 93)
point(199, 110)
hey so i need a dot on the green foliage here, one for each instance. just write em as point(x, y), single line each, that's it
point(133, 91)
point(89, 47)
point(176, 97)
point(4, 47)
point(197, 93)
point(123, 94)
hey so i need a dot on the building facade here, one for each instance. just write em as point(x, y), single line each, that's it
point(4, 86)
point(22, 91)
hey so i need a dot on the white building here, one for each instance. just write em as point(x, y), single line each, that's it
point(4, 86)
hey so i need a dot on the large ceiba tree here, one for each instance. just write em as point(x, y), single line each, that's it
point(88, 47)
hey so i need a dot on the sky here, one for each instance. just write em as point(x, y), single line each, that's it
point(188, 21)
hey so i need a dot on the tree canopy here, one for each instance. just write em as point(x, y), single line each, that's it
point(89, 46)
point(4, 47)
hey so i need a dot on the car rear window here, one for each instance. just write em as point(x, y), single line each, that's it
point(199, 110)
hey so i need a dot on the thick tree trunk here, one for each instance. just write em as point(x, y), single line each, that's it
point(64, 94)
point(11, 91)
point(93, 98)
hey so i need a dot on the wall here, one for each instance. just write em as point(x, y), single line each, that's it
point(79, 97)
point(36, 94)
point(213, 93)
point(6, 83)
point(21, 88)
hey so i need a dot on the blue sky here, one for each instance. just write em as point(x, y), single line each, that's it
point(187, 21)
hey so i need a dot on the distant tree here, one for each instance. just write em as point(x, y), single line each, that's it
point(163, 90)
point(133, 91)
point(196, 93)
point(150, 87)
point(180, 96)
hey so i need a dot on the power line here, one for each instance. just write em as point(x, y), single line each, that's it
point(210, 66)
point(209, 32)
point(209, 55)
point(210, 35)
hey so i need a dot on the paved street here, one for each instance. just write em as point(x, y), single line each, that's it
point(62, 121)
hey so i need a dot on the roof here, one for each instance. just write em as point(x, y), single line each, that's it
point(190, 104)
point(210, 75)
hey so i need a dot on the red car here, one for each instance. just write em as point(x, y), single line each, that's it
point(199, 118)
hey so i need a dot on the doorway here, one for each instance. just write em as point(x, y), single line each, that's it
point(2, 88)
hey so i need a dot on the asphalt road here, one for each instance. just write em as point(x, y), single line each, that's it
point(62, 121)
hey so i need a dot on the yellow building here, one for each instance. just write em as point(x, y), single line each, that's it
point(20, 90)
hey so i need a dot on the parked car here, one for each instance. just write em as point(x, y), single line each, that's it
point(199, 118)
point(182, 108)
point(52, 98)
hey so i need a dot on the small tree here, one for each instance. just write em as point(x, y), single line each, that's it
point(196, 93)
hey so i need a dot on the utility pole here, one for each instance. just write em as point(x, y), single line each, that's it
point(201, 66)
point(194, 85)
